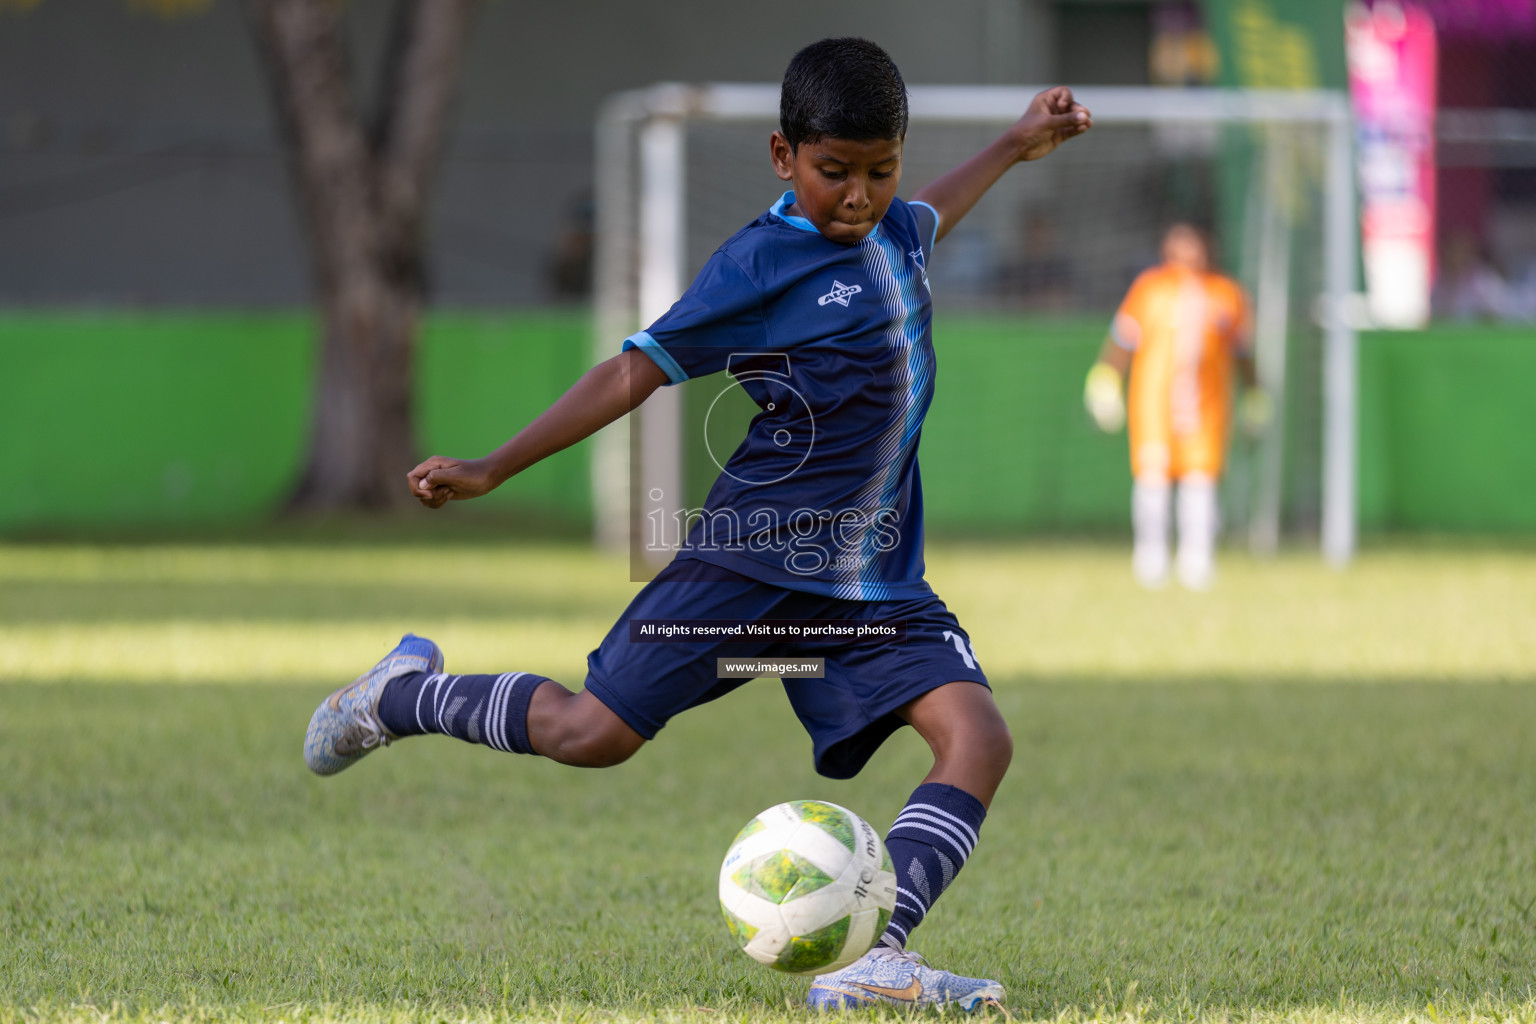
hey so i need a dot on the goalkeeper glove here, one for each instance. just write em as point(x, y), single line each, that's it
point(1103, 399)
point(1255, 412)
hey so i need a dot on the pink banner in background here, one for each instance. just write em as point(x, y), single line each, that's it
point(1391, 51)
point(1482, 19)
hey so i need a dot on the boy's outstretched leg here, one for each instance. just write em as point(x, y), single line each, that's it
point(409, 694)
point(929, 843)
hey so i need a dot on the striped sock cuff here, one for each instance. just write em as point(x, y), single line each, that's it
point(944, 817)
point(497, 708)
point(929, 844)
point(512, 724)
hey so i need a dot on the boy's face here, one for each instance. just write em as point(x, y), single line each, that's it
point(842, 186)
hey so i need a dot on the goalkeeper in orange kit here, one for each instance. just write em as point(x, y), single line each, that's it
point(1181, 332)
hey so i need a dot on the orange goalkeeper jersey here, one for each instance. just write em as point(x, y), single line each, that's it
point(1183, 328)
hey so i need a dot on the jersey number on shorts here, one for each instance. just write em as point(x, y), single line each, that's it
point(967, 652)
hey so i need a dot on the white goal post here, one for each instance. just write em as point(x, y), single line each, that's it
point(643, 202)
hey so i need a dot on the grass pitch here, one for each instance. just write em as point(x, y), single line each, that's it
point(1307, 796)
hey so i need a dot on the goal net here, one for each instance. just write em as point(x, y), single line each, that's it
point(1024, 290)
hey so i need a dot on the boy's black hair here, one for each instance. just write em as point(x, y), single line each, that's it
point(845, 88)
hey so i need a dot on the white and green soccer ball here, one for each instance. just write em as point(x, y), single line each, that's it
point(807, 887)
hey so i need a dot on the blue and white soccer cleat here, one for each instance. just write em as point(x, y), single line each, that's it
point(896, 977)
point(346, 726)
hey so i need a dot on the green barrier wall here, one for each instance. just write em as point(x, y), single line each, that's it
point(199, 420)
point(1446, 428)
point(1006, 445)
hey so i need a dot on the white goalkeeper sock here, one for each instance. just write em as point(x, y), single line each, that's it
point(1149, 524)
point(1198, 524)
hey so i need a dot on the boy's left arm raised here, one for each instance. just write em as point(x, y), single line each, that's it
point(1052, 118)
point(603, 394)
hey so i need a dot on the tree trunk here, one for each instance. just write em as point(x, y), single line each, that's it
point(364, 199)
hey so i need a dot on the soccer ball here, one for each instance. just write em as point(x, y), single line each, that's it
point(807, 887)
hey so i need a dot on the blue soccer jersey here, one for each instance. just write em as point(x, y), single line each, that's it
point(834, 345)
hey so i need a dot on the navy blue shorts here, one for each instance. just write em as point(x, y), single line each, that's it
point(848, 714)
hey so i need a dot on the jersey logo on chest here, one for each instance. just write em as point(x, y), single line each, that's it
point(922, 265)
point(839, 294)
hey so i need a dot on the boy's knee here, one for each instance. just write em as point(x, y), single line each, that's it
point(598, 748)
point(983, 739)
point(971, 744)
point(997, 743)
point(963, 726)
point(578, 729)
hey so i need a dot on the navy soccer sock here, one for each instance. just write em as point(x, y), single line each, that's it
point(929, 843)
point(492, 710)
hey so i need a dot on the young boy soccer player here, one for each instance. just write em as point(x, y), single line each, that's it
point(1181, 331)
point(825, 298)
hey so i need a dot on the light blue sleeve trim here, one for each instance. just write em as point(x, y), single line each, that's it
point(936, 218)
point(660, 356)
